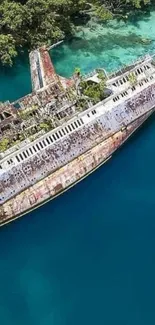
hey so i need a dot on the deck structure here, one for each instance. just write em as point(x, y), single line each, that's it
point(48, 161)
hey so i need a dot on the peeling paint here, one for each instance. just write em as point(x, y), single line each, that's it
point(66, 176)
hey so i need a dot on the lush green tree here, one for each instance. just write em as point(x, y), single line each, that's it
point(132, 79)
point(7, 49)
point(45, 126)
point(4, 144)
point(139, 3)
point(101, 75)
point(14, 16)
point(31, 23)
point(44, 24)
point(95, 91)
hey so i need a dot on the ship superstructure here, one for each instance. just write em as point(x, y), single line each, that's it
point(74, 131)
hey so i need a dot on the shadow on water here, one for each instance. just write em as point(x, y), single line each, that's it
point(15, 81)
point(107, 42)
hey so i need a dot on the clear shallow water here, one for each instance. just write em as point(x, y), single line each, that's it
point(88, 257)
point(108, 46)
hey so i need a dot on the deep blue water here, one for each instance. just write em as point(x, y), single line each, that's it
point(88, 257)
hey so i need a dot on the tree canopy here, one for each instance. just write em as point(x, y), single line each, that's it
point(31, 23)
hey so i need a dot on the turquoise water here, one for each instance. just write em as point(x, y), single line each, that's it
point(88, 257)
point(109, 46)
point(15, 82)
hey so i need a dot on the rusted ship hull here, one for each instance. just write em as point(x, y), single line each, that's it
point(67, 176)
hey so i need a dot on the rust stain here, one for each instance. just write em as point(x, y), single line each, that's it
point(66, 176)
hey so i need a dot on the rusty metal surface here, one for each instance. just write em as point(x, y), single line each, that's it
point(66, 176)
point(43, 72)
point(47, 66)
point(65, 149)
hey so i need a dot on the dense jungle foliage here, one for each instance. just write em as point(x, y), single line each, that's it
point(31, 23)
